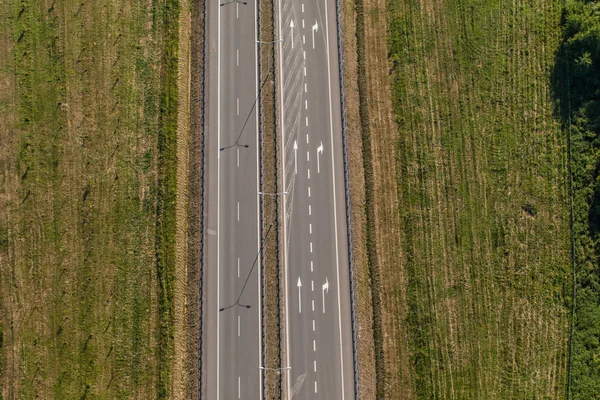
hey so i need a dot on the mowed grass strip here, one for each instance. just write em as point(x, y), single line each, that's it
point(89, 88)
point(483, 198)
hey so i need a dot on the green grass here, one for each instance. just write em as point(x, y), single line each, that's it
point(482, 176)
point(86, 171)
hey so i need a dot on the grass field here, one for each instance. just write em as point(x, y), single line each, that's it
point(470, 199)
point(88, 96)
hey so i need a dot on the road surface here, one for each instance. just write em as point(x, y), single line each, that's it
point(318, 323)
point(233, 335)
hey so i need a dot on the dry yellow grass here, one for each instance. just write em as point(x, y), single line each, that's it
point(366, 357)
point(181, 373)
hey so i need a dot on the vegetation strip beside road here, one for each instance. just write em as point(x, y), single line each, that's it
point(370, 227)
point(271, 267)
point(362, 292)
point(196, 201)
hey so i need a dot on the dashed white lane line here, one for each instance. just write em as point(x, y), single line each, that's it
point(302, 23)
point(313, 325)
point(237, 10)
point(304, 71)
point(238, 267)
point(314, 345)
point(238, 105)
point(310, 227)
point(313, 305)
point(308, 156)
point(237, 57)
point(309, 209)
point(315, 366)
point(309, 191)
point(306, 121)
point(309, 174)
point(238, 326)
point(311, 266)
point(315, 386)
point(305, 101)
point(302, 7)
point(307, 138)
point(238, 211)
point(239, 388)
point(311, 247)
point(238, 158)
point(305, 89)
point(303, 39)
point(312, 286)
point(304, 54)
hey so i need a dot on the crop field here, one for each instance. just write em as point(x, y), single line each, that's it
point(470, 262)
point(88, 98)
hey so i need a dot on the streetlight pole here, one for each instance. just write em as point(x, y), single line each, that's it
point(272, 194)
point(234, 1)
point(276, 370)
point(237, 141)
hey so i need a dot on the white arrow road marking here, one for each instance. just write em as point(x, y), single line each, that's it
point(296, 388)
point(325, 288)
point(292, 28)
point(315, 28)
point(319, 151)
point(295, 157)
point(299, 295)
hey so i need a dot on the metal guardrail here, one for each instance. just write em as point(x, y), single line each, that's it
point(260, 189)
point(338, 7)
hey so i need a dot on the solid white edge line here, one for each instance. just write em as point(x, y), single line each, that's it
point(285, 249)
point(337, 263)
point(218, 192)
point(258, 216)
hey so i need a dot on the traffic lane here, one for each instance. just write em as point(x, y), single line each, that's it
point(240, 327)
point(327, 62)
point(314, 334)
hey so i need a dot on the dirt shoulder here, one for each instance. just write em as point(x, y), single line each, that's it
point(182, 374)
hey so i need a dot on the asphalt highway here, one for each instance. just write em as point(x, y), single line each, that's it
point(233, 338)
point(318, 324)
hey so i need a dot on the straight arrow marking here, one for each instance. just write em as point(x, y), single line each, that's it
point(295, 157)
point(325, 288)
point(299, 295)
